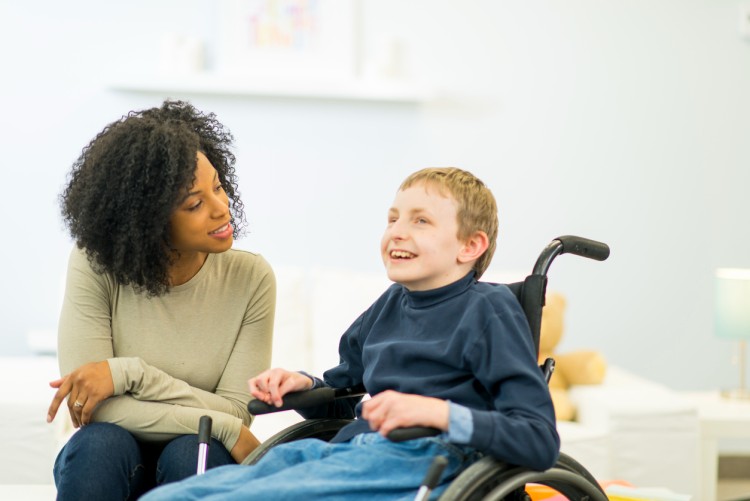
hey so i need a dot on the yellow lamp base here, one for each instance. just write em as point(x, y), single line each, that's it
point(736, 394)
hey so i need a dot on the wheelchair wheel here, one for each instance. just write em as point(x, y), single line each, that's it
point(490, 479)
point(570, 484)
point(474, 483)
point(322, 429)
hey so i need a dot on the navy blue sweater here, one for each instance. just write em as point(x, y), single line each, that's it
point(467, 342)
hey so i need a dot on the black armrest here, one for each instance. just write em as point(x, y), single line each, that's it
point(404, 434)
point(319, 396)
point(295, 400)
point(303, 399)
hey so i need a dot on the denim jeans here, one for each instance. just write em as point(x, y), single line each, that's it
point(368, 467)
point(103, 461)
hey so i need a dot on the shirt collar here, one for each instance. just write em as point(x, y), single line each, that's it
point(423, 299)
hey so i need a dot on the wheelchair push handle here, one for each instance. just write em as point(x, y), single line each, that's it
point(204, 438)
point(584, 247)
point(570, 244)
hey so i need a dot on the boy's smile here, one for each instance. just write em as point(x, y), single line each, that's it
point(420, 246)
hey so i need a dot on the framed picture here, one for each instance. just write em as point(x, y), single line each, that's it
point(288, 38)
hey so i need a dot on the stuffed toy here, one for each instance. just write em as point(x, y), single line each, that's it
point(578, 367)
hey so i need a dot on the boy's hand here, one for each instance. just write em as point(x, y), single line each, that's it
point(269, 386)
point(390, 409)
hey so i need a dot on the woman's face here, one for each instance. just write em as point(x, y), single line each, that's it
point(200, 224)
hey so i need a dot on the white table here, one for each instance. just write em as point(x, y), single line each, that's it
point(720, 418)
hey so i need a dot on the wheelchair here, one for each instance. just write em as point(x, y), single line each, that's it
point(488, 478)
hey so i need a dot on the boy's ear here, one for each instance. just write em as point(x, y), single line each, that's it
point(474, 247)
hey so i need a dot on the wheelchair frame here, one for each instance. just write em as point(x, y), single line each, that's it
point(487, 479)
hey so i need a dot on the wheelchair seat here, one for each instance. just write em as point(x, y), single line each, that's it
point(488, 478)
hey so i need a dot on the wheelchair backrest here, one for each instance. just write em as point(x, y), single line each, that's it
point(530, 294)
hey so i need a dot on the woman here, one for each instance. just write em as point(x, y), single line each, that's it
point(162, 321)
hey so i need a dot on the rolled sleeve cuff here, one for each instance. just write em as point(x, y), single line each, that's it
point(317, 382)
point(119, 376)
point(460, 424)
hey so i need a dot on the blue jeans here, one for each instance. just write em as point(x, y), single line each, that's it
point(368, 467)
point(103, 461)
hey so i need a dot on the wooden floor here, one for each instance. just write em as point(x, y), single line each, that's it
point(734, 479)
point(733, 490)
point(729, 490)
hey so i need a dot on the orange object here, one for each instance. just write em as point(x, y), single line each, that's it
point(539, 492)
point(615, 482)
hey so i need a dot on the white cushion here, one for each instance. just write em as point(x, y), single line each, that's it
point(653, 431)
point(337, 299)
point(587, 445)
point(30, 444)
point(292, 340)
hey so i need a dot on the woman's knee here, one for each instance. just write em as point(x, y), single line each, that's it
point(88, 442)
point(100, 459)
point(179, 459)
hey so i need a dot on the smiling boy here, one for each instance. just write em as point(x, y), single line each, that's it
point(437, 349)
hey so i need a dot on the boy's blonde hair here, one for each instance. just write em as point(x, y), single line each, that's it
point(477, 209)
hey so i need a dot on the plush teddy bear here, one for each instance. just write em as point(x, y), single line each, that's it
point(578, 367)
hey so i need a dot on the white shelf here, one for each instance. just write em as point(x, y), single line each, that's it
point(214, 84)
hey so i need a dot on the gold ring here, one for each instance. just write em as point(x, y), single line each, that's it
point(77, 404)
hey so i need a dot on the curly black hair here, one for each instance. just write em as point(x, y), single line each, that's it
point(129, 179)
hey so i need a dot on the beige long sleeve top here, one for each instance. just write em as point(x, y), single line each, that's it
point(176, 357)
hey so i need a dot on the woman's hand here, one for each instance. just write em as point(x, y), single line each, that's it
point(269, 386)
point(85, 387)
point(246, 443)
point(390, 409)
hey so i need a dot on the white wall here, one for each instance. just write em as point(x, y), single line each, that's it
point(626, 122)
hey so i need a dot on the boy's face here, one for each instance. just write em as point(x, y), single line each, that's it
point(420, 246)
